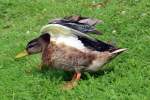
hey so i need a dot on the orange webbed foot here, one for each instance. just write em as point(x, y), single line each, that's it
point(73, 83)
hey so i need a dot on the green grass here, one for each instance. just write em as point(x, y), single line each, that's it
point(129, 79)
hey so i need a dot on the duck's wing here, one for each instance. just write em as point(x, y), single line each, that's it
point(86, 40)
point(82, 24)
point(76, 19)
point(97, 45)
point(57, 29)
point(83, 20)
point(84, 28)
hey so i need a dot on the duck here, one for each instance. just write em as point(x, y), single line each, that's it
point(71, 50)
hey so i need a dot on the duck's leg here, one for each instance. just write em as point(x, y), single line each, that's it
point(71, 84)
point(76, 76)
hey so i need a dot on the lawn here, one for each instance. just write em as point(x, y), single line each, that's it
point(126, 23)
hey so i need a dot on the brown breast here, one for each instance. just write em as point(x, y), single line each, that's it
point(63, 57)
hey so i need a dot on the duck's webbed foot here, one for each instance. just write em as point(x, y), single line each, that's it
point(71, 84)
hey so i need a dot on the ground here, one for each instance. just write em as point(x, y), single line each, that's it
point(125, 23)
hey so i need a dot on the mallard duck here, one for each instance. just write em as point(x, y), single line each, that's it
point(71, 50)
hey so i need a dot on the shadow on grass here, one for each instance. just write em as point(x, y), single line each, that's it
point(86, 75)
point(66, 76)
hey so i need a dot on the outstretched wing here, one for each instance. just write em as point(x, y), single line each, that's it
point(84, 28)
point(83, 20)
point(86, 40)
point(82, 24)
point(57, 29)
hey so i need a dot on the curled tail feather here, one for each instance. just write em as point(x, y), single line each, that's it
point(118, 51)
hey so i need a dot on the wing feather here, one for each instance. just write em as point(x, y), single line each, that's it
point(56, 29)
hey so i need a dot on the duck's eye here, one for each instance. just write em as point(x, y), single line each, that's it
point(30, 46)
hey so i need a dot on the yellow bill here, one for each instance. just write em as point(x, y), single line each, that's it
point(22, 54)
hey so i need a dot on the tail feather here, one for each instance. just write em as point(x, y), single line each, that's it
point(118, 51)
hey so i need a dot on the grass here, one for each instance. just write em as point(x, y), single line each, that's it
point(126, 22)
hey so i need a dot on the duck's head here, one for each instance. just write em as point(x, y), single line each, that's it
point(36, 45)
